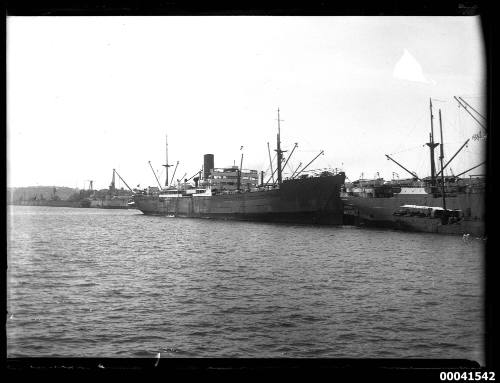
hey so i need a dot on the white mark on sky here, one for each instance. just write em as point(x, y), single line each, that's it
point(408, 68)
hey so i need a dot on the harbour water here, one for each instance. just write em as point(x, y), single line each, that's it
point(117, 283)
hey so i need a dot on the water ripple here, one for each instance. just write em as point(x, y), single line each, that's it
point(103, 283)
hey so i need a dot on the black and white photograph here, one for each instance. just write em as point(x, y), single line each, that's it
point(246, 186)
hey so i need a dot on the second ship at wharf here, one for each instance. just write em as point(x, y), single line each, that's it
point(435, 204)
point(320, 196)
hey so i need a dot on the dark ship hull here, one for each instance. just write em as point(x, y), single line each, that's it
point(313, 200)
point(379, 212)
point(433, 225)
point(115, 204)
point(56, 203)
point(111, 203)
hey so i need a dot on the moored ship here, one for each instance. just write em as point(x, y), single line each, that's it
point(365, 205)
point(235, 193)
point(113, 197)
point(77, 199)
point(51, 203)
point(411, 204)
point(308, 200)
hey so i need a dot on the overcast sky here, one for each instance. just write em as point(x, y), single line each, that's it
point(89, 94)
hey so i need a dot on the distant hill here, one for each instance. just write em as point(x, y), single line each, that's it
point(29, 192)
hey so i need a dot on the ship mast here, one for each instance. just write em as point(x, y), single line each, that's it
point(270, 163)
point(441, 156)
point(284, 165)
point(279, 151)
point(112, 186)
point(240, 172)
point(166, 160)
point(432, 146)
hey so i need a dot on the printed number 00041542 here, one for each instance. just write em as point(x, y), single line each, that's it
point(470, 375)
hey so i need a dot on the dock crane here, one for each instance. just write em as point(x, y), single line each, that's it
point(305, 167)
point(414, 175)
point(128, 187)
point(464, 105)
point(173, 175)
point(149, 162)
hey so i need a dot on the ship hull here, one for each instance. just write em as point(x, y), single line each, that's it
point(378, 212)
point(118, 203)
point(310, 201)
point(111, 203)
point(430, 225)
point(51, 203)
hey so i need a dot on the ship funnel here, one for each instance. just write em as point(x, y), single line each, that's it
point(208, 165)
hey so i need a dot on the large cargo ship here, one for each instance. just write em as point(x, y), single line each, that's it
point(312, 200)
point(235, 193)
point(436, 204)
